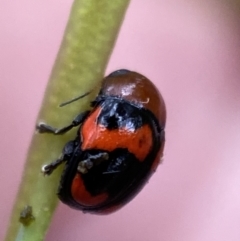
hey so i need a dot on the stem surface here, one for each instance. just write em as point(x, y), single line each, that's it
point(87, 44)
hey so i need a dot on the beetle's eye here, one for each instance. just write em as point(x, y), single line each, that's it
point(120, 110)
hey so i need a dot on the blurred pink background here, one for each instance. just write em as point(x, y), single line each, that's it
point(191, 50)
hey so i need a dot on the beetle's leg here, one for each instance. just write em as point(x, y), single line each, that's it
point(44, 128)
point(91, 161)
point(65, 156)
point(49, 168)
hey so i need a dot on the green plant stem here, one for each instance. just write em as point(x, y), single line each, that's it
point(87, 44)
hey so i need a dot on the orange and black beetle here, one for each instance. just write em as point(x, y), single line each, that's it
point(118, 146)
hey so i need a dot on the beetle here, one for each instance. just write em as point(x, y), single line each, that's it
point(118, 146)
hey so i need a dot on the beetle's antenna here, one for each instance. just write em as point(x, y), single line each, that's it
point(74, 99)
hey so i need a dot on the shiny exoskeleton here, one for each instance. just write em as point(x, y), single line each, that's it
point(118, 146)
